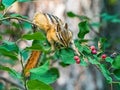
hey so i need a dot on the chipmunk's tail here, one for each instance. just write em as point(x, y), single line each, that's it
point(32, 62)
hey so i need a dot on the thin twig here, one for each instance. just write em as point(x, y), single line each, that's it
point(24, 78)
point(12, 82)
point(115, 82)
point(94, 30)
point(6, 10)
point(18, 18)
point(111, 86)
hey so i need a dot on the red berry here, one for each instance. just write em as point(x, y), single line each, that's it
point(103, 56)
point(76, 58)
point(94, 51)
point(92, 48)
point(78, 61)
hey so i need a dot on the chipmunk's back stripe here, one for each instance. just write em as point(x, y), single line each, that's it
point(59, 32)
point(56, 19)
point(50, 18)
point(62, 38)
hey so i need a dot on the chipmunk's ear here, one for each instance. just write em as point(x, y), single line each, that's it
point(66, 26)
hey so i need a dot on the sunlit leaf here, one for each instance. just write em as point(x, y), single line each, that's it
point(37, 85)
point(67, 56)
point(24, 0)
point(40, 70)
point(39, 45)
point(7, 3)
point(116, 62)
point(34, 36)
point(110, 60)
point(47, 77)
point(26, 26)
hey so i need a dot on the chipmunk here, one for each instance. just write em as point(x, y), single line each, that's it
point(56, 32)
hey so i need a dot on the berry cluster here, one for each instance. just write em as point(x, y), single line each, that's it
point(94, 51)
point(77, 59)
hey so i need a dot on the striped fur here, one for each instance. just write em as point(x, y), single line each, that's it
point(56, 32)
point(53, 25)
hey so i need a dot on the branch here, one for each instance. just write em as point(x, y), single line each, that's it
point(12, 82)
point(94, 30)
point(18, 18)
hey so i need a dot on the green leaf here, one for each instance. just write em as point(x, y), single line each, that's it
point(105, 72)
point(108, 59)
point(82, 62)
point(103, 43)
point(34, 36)
point(40, 45)
point(40, 70)
point(81, 17)
point(63, 64)
point(8, 53)
point(115, 20)
point(7, 3)
point(93, 61)
point(26, 26)
point(25, 54)
point(24, 0)
point(18, 15)
point(71, 14)
point(116, 62)
point(0, 37)
point(117, 73)
point(67, 56)
point(83, 29)
point(108, 17)
point(86, 49)
point(11, 71)
point(95, 24)
point(78, 45)
point(2, 86)
point(37, 85)
point(2, 7)
point(11, 46)
point(47, 77)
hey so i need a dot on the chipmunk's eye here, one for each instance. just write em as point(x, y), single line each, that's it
point(34, 27)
